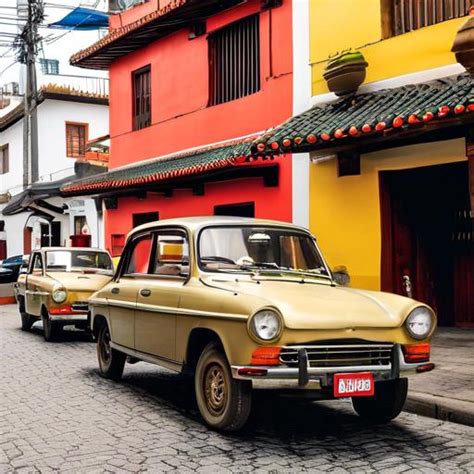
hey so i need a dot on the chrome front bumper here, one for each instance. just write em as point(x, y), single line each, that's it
point(305, 377)
point(72, 317)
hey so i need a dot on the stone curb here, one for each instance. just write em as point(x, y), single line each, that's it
point(441, 408)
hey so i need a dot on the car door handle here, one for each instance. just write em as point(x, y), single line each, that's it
point(145, 292)
point(115, 291)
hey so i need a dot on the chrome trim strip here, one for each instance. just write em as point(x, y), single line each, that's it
point(40, 293)
point(167, 309)
point(68, 317)
point(292, 372)
point(188, 312)
point(152, 359)
point(382, 345)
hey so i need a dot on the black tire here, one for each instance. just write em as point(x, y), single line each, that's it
point(26, 321)
point(386, 404)
point(223, 402)
point(111, 361)
point(51, 329)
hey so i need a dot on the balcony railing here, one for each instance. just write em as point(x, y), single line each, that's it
point(96, 86)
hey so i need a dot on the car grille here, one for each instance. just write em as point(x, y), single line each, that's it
point(340, 355)
point(80, 306)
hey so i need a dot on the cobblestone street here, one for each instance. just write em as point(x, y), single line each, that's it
point(57, 413)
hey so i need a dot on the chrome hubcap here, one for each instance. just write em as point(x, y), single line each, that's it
point(105, 350)
point(215, 388)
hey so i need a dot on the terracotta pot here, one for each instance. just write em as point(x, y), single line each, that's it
point(463, 46)
point(346, 78)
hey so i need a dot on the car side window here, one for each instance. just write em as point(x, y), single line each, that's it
point(37, 265)
point(172, 254)
point(139, 257)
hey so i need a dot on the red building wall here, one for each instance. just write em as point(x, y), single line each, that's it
point(182, 119)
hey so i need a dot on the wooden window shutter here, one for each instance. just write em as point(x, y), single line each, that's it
point(76, 139)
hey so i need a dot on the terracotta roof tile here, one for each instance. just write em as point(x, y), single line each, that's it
point(373, 113)
point(162, 169)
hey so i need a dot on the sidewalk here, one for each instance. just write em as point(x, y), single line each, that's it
point(446, 393)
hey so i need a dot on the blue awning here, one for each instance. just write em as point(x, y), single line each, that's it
point(82, 19)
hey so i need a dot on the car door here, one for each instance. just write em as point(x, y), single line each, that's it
point(122, 293)
point(158, 297)
point(33, 291)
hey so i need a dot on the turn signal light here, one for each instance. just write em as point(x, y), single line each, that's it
point(63, 309)
point(416, 352)
point(266, 356)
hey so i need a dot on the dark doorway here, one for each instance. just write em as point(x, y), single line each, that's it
point(245, 209)
point(428, 240)
point(144, 218)
point(55, 234)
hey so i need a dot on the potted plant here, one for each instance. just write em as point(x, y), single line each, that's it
point(463, 46)
point(345, 72)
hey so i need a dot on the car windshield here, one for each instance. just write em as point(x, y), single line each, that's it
point(260, 249)
point(78, 260)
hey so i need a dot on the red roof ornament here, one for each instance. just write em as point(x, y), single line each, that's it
point(428, 116)
point(366, 128)
point(459, 109)
point(240, 159)
point(261, 147)
point(311, 138)
point(339, 133)
point(298, 140)
point(412, 119)
point(470, 107)
point(353, 131)
point(380, 126)
point(286, 142)
point(275, 146)
point(325, 136)
point(398, 122)
point(443, 111)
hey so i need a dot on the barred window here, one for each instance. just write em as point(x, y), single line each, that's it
point(409, 15)
point(234, 61)
point(142, 98)
point(76, 139)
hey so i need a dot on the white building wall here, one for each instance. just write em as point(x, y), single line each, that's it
point(13, 180)
point(52, 118)
point(53, 165)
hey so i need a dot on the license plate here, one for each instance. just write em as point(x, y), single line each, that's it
point(360, 384)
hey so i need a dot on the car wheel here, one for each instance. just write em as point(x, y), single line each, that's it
point(386, 404)
point(51, 329)
point(111, 361)
point(26, 321)
point(223, 402)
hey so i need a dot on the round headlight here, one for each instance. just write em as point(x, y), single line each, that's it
point(266, 325)
point(419, 322)
point(59, 295)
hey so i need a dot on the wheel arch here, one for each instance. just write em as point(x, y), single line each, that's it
point(99, 321)
point(199, 338)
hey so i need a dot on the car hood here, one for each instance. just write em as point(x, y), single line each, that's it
point(80, 281)
point(322, 306)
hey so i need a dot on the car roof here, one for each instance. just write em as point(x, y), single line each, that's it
point(196, 223)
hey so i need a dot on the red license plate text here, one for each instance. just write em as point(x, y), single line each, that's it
point(354, 385)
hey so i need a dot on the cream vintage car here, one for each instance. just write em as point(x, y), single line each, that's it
point(57, 284)
point(243, 303)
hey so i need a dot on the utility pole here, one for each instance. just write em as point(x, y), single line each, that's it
point(27, 47)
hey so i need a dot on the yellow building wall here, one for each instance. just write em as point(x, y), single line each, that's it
point(345, 212)
point(336, 25)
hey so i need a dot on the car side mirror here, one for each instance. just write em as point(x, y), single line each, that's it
point(341, 275)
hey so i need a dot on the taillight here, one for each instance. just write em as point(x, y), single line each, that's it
point(266, 356)
point(416, 352)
